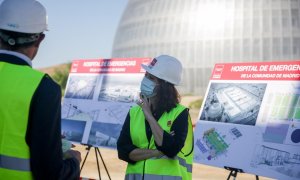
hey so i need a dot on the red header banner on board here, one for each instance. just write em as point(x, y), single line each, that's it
point(286, 70)
point(105, 66)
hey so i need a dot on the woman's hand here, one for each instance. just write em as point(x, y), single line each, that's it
point(146, 106)
point(157, 131)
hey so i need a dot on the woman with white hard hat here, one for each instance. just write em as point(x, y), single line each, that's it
point(30, 108)
point(157, 139)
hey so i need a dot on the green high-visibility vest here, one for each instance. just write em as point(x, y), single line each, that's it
point(17, 86)
point(179, 167)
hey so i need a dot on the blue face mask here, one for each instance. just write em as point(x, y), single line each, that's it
point(147, 87)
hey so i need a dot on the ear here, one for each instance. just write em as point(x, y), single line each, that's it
point(40, 39)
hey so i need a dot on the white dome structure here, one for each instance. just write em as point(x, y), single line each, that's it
point(201, 33)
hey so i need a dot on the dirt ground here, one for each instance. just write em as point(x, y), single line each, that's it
point(116, 168)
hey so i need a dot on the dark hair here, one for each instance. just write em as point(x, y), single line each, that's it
point(15, 36)
point(167, 96)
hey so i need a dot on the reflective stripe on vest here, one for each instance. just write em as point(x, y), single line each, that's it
point(182, 162)
point(151, 177)
point(17, 87)
point(14, 163)
point(179, 166)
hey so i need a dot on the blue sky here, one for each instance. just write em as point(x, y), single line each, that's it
point(78, 30)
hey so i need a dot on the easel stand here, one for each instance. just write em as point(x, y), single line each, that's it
point(97, 152)
point(234, 171)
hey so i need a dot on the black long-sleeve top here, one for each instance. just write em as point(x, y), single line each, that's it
point(43, 134)
point(171, 145)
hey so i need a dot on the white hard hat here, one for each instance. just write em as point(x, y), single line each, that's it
point(165, 67)
point(24, 16)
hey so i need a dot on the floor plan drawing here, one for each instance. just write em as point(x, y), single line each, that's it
point(212, 144)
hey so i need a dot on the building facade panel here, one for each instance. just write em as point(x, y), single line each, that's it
point(201, 33)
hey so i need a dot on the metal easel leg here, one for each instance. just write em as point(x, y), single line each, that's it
point(97, 163)
point(232, 173)
point(103, 163)
point(87, 148)
point(97, 151)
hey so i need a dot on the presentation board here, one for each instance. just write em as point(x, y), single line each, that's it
point(250, 119)
point(97, 99)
